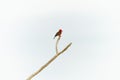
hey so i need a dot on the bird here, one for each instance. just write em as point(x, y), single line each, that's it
point(58, 33)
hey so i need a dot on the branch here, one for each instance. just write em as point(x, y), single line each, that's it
point(53, 58)
point(57, 44)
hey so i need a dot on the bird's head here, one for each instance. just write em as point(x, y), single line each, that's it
point(60, 30)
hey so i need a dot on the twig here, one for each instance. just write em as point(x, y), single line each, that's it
point(53, 58)
point(57, 45)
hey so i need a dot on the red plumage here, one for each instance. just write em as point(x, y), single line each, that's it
point(58, 33)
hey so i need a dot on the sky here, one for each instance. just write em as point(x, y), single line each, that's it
point(27, 28)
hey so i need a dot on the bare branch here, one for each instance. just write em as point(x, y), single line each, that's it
point(53, 58)
point(56, 46)
point(66, 48)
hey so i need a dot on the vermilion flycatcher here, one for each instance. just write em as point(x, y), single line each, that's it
point(58, 33)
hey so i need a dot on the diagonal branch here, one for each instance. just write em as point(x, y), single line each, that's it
point(52, 59)
point(65, 48)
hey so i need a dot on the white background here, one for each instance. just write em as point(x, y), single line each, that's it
point(27, 28)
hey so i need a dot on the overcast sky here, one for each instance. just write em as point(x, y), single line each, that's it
point(27, 28)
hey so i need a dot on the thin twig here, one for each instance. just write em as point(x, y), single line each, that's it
point(65, 48)
point(56, 46)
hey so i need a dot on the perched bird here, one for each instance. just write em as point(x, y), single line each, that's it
point(58, 33)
